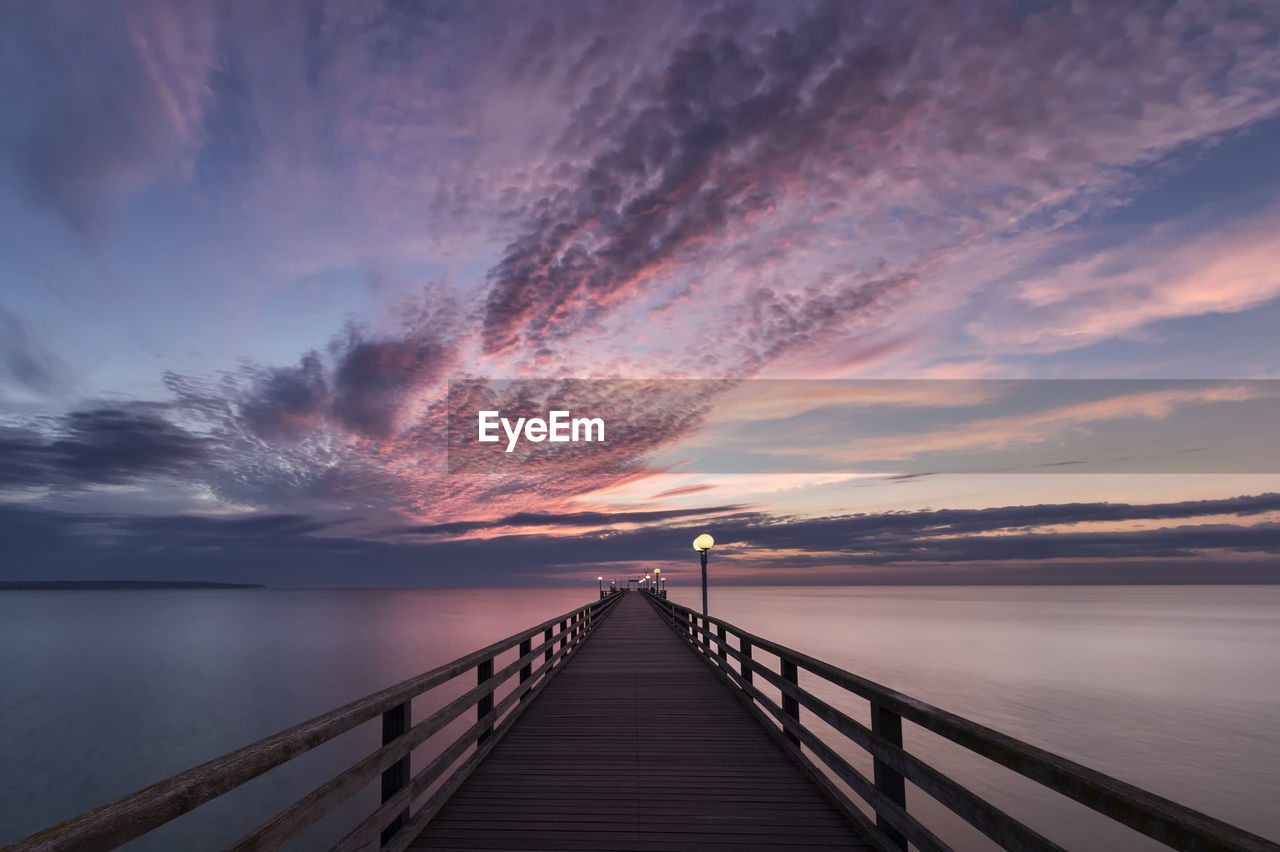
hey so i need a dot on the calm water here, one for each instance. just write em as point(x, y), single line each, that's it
point(1176, 689)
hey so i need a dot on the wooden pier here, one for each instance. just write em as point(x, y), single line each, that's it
point(633, 723)
point(637, 745)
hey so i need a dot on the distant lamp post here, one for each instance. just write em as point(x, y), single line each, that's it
point(657, 577)
point(600, 585)
point(702, 544)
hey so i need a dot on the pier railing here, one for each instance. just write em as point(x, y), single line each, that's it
point(395, 823)
point(720, 643)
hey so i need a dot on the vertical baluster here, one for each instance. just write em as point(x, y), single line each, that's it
point(527, 669)
point(546, 637)
point(744, 666)
point(791, 706)
point(564, 633)
point(484, 671)
point(395, 723)
point(720, 647)
point(889, 781)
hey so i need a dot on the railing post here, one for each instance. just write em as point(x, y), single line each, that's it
point(720, 649)
point(888, 725)
point(484, 706)
point(564, 633)
point(527, 669)
point(546, 637)
point(791, 706)
point(744, 667)
point(395, 723)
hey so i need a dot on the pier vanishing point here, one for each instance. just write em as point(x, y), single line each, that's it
point(634, 723)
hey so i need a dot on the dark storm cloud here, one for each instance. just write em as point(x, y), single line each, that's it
point(100, 446)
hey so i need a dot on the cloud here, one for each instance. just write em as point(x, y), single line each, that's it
point(706, 143)
point(1050, 423)
point(25, 361)
point(1189, 267)
point(682, 491)
point(300, 550)
point(796, 171)
point(368, 387)
point(869, 532)
point(113, 97)
point(101, 446)
point(374, 380)
point(567, 519)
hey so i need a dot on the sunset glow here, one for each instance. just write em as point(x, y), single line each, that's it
point(247, 249)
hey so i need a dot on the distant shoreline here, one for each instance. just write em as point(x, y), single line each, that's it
point(92, 585)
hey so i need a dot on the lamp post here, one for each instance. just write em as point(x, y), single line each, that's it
point(600, 585)
point(657, 575)
point(702, 544)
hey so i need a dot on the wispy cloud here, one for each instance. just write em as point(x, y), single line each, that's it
point(1186, 268)
point(26, 362)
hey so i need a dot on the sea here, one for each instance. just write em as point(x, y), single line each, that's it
point(1173, 688)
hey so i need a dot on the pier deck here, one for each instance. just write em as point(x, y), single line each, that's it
point(637, 745)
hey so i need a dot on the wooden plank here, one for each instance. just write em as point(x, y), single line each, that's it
point(637, 745)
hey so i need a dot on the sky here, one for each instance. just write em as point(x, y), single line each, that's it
point(874, 292)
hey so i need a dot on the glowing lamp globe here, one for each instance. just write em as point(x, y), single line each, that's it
point(703, 542)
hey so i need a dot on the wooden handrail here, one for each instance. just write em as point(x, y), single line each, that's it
point(132, 816)
point(1162, 819)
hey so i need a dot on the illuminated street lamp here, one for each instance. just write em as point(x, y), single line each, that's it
point(600, 585)
point(702, 544)
point(656, 578)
